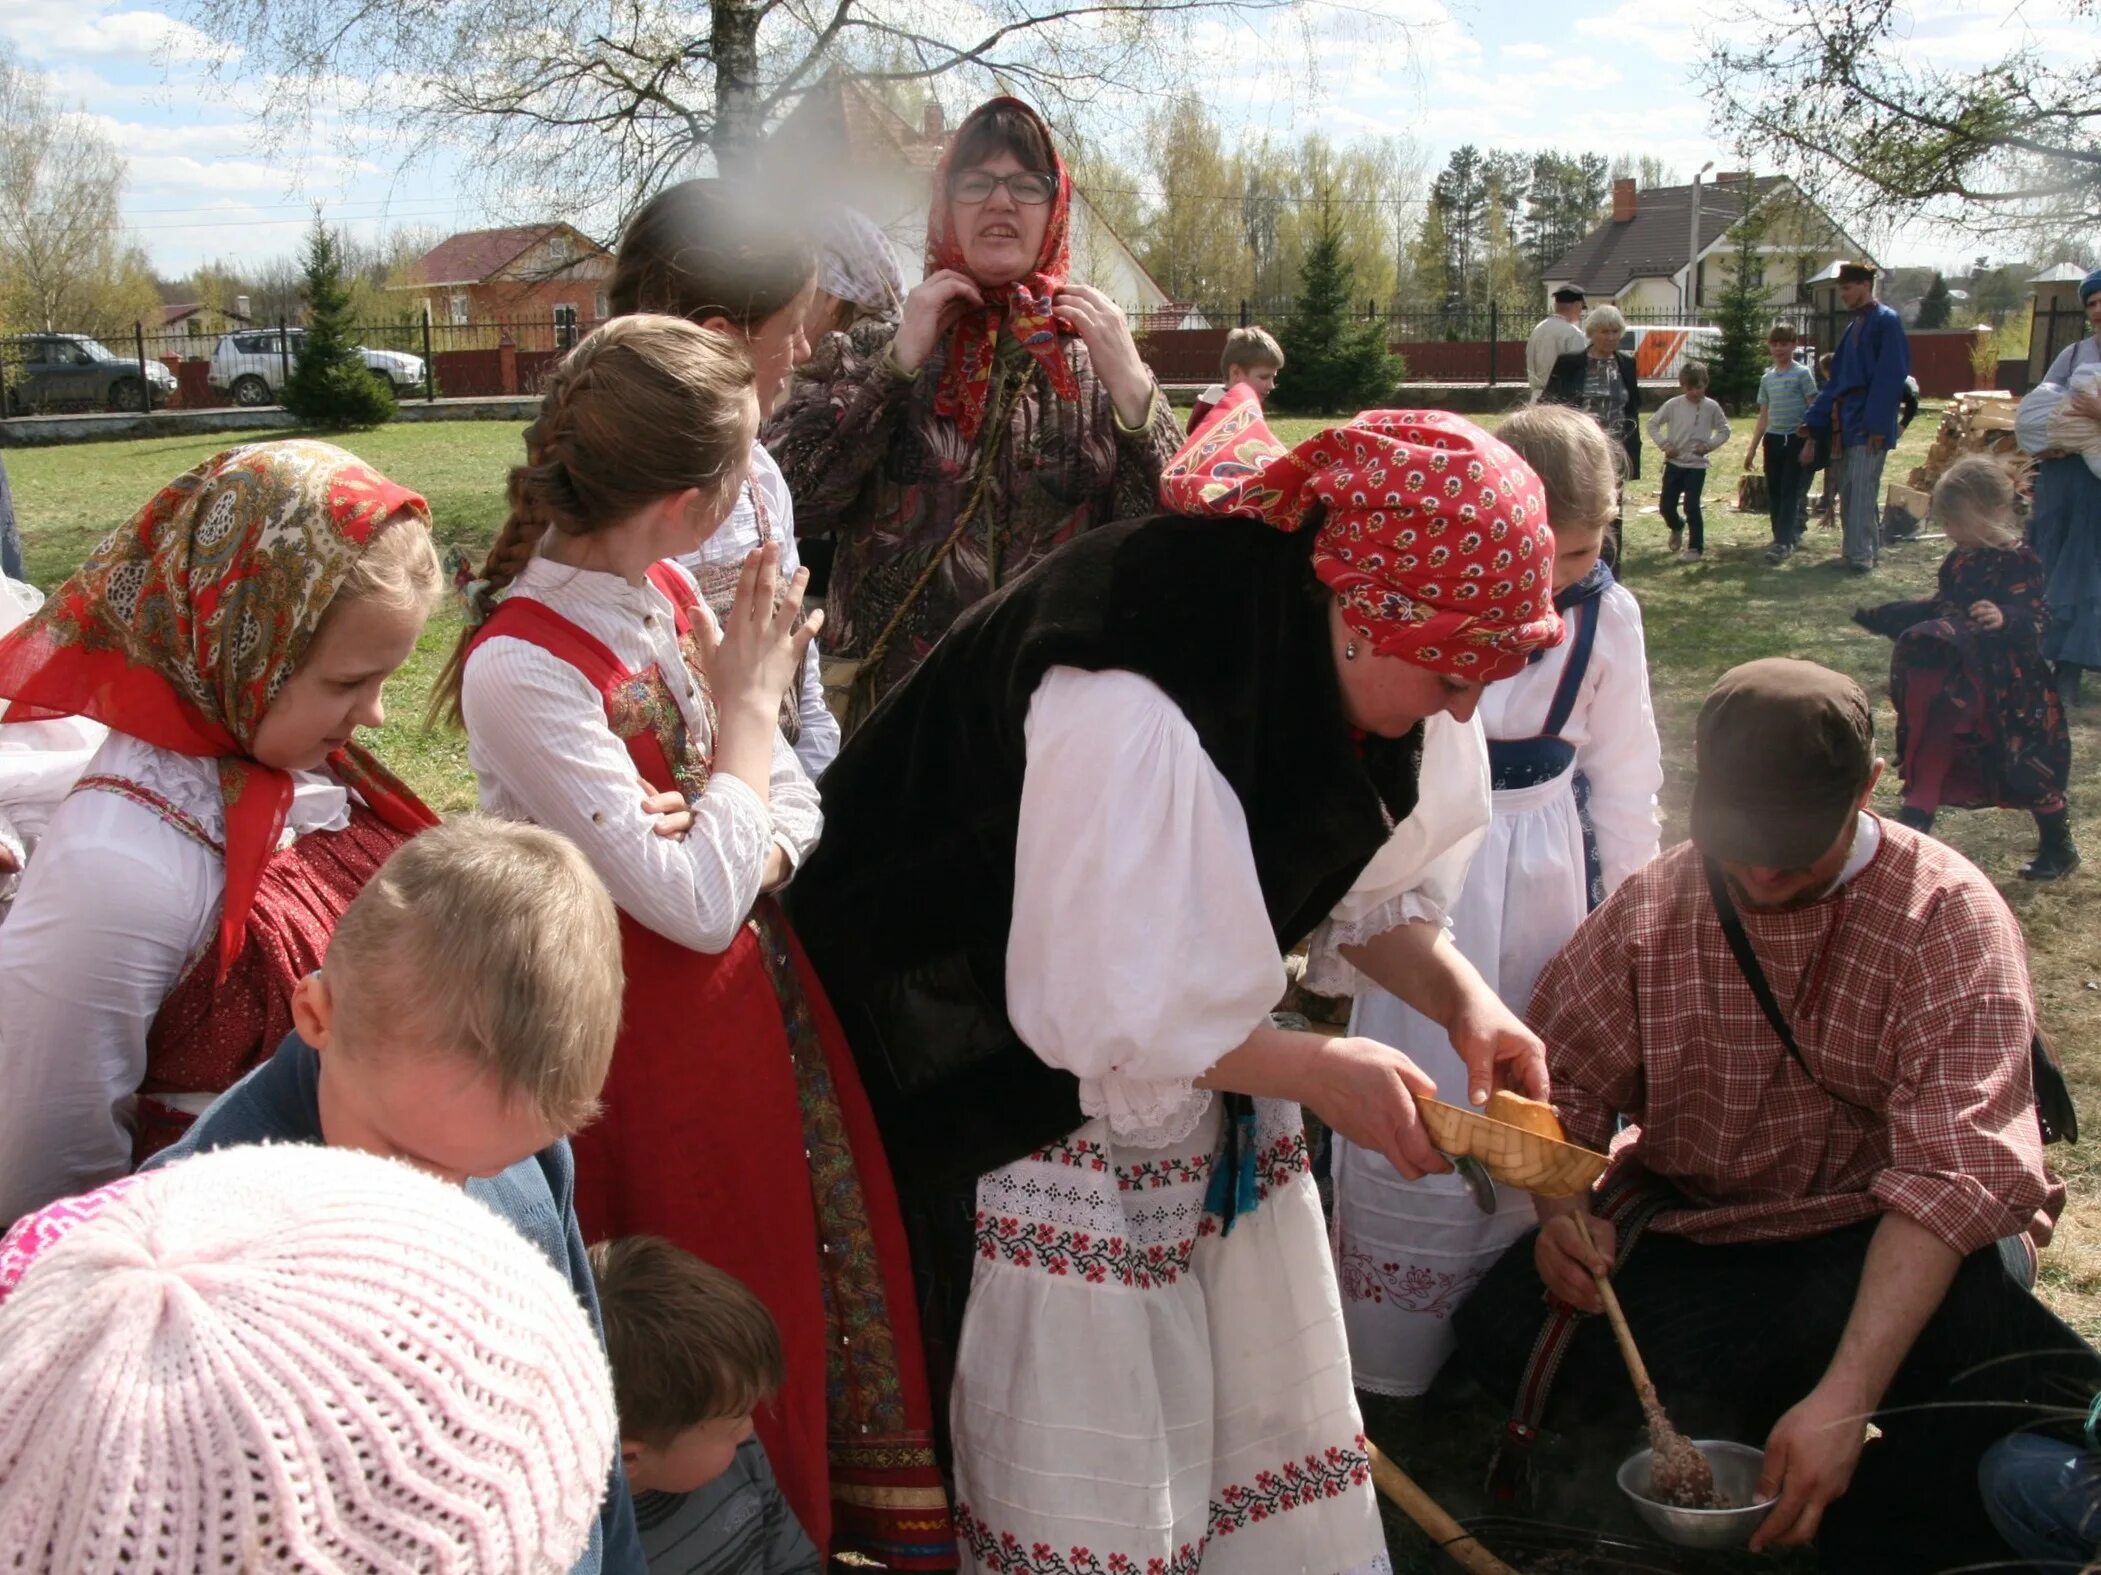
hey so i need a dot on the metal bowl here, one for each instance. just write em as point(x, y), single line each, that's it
point(1736, 1468)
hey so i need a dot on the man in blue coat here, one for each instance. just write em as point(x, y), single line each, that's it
point(1865, 388)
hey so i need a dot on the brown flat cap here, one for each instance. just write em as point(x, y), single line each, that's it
point(1857, 272)
point(1784, 752)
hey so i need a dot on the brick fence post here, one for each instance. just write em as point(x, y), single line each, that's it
point(507, 362)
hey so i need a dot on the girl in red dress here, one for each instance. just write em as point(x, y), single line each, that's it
point(233, 637)
point(734, 1123)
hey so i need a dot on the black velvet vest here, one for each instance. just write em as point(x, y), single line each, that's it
point(906, 903)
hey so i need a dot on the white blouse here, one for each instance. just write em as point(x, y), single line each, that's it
point(542, 751)
point(1141, 949)
point(1613, 728)
point(113, 910)
point(720, 560)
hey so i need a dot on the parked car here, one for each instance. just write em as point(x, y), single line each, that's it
point(73, 372)
point(249, 366)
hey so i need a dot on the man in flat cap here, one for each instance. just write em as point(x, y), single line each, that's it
point(1555, 335)
point(1860, 401)
point(1817, 1212)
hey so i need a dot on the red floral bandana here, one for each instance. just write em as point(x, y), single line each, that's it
point(183, 626)
point(1433, 535)
point(1023, 308)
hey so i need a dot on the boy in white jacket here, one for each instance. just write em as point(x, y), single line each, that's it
point(1687, 429)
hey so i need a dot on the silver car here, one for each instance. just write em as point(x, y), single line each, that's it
point(250, 366)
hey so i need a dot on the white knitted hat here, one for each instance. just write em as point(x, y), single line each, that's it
point(298, 1358)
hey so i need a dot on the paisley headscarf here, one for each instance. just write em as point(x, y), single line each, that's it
point(1433, 534)
point(1022, 308)
point(184, 625)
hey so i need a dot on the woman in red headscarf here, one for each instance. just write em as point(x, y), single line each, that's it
point(1059, 871)
point(233, 637)
point(1006, 413)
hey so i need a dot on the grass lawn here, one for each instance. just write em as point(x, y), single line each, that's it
point(1701, 619)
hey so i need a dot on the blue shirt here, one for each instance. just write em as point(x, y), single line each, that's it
point(1867, 379)
point(737, 1525)
point(279, 1102)
point(1786, 397)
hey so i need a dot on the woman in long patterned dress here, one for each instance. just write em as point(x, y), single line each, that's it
point(1979, 721)
point(2064, 526)
point(1008, 411)
point(734, 1125)
point(233, 638)
point(1065, 860)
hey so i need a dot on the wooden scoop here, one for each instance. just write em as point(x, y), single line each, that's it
point(1456, 1541)
point(1675, 1462)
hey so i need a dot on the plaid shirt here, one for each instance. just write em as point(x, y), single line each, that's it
point(1907, 991)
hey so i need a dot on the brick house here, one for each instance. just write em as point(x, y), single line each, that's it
point(521, 277)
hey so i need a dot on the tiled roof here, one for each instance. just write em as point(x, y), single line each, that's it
point(1651, 245)
point(475, 255)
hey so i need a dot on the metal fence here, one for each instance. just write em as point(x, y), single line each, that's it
point(250, 363)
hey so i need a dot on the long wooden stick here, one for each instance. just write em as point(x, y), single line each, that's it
point(1617, 1319)
point(1427, 1513)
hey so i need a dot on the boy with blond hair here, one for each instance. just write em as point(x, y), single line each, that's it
point(694, 1353)
point(462, 1020)
point(1251, 356)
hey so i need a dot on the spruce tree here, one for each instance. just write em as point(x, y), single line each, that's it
point(1336, 363)
point(330, 385)
point(1744, 317)
point(1937, 306)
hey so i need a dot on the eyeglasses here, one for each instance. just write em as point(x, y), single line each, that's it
point(1028, 186)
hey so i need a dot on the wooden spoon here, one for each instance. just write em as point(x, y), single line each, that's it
point(1676, 1466)
point(1456, 1541)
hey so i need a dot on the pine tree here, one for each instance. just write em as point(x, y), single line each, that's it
point(1336, 363)
point(1937, 306)
point(1744, 317)
point(330, 385)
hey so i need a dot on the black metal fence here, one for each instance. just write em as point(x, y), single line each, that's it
point(250, 363)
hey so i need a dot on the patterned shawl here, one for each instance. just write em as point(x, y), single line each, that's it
point(1022, 308)
point(184, 625)
point(1432, 532)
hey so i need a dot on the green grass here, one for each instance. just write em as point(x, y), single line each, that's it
point(1701, 619)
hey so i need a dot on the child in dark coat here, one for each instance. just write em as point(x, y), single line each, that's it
point(1979, 724)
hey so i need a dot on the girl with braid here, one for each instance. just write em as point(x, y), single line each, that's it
point(734, 1123)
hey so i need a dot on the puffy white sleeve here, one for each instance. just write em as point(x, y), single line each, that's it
point(1141, 949)
point(1417, 876)
point(1620, 753)
point(538, 741)
point(112, 909)
point(818, 740)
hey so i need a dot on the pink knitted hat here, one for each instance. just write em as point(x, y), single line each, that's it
point(295, 1358)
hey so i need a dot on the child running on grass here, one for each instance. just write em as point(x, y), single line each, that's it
point(1688, 428)
point(1979, 722)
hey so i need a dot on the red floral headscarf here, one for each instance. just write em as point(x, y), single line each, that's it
point(1433, 534)
point(1023, 308)
point(183, 626)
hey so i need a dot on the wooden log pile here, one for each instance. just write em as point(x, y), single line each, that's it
point(1980, 422)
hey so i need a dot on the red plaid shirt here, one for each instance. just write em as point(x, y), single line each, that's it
point(1907, 991)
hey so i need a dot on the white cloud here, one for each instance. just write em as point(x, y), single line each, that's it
point(60, 30)
point(1527, 49)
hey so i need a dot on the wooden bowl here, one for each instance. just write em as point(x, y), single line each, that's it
point(1536, 1164)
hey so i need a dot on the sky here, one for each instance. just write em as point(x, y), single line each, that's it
point(207, 179)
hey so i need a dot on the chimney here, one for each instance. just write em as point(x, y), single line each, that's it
point(240, 306)
point(931, 123)
point(1732, 177)
point(1623, 202)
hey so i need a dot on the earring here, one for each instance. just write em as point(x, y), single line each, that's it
point(1349, 651)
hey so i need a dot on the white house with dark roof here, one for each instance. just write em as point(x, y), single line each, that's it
point(1649, 256)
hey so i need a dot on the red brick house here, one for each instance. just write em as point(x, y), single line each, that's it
point(521, 277)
